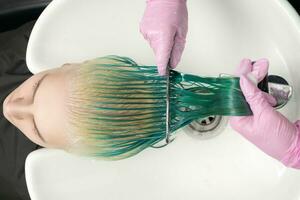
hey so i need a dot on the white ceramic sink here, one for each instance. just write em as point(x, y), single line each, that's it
point(221, 33)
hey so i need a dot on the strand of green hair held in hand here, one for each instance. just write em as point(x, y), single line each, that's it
point(117, 108)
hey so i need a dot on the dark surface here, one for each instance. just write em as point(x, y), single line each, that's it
point(14, 13)
point(14, 146)
point(294, 4)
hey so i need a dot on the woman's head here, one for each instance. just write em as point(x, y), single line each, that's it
point(38, 107)
point(110, 107)
point(91, 108)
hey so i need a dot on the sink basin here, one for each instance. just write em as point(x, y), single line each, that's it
point(221, 33)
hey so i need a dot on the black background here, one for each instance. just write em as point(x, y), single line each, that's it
point(294, 3)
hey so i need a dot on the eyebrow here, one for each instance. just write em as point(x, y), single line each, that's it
point(34, 93)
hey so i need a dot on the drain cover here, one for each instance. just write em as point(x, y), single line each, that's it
point(206, 128)
point(206, 124)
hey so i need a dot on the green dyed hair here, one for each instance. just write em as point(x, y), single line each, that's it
point(117, 108)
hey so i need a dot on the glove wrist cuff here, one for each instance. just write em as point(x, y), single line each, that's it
point(172, 1)
point(292, 156)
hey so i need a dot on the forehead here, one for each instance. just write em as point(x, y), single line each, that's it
point(50, 107)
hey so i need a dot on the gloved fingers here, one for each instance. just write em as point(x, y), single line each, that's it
point(162, 45)
point(260, 69)
point(242, 124)
point(254, 96)
point(245, 67)
point(177, 51)
point(143, 32)
point(270, 99)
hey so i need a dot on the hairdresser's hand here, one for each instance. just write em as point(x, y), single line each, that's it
point(267, 129)
point(164, 25)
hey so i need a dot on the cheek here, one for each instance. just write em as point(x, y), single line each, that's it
point(27, 128)
point(27, 87)
point(21, 91)
point(51, 121)
point(24, 87)
point(25, 90)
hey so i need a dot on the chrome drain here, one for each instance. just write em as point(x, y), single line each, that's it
point(206, 124)
point(280, 89)
point(206, 128)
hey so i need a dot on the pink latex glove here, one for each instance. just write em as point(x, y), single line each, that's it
point(165, 25)
point(266, 128)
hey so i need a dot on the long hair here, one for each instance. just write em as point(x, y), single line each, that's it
point(117, 108)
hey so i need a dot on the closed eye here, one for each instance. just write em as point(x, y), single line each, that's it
point(38, 133)
point(36, 87)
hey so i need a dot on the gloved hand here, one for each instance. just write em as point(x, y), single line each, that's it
point(165, 25)
point(266, 128)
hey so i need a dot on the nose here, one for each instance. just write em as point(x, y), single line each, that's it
point(17, 108)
